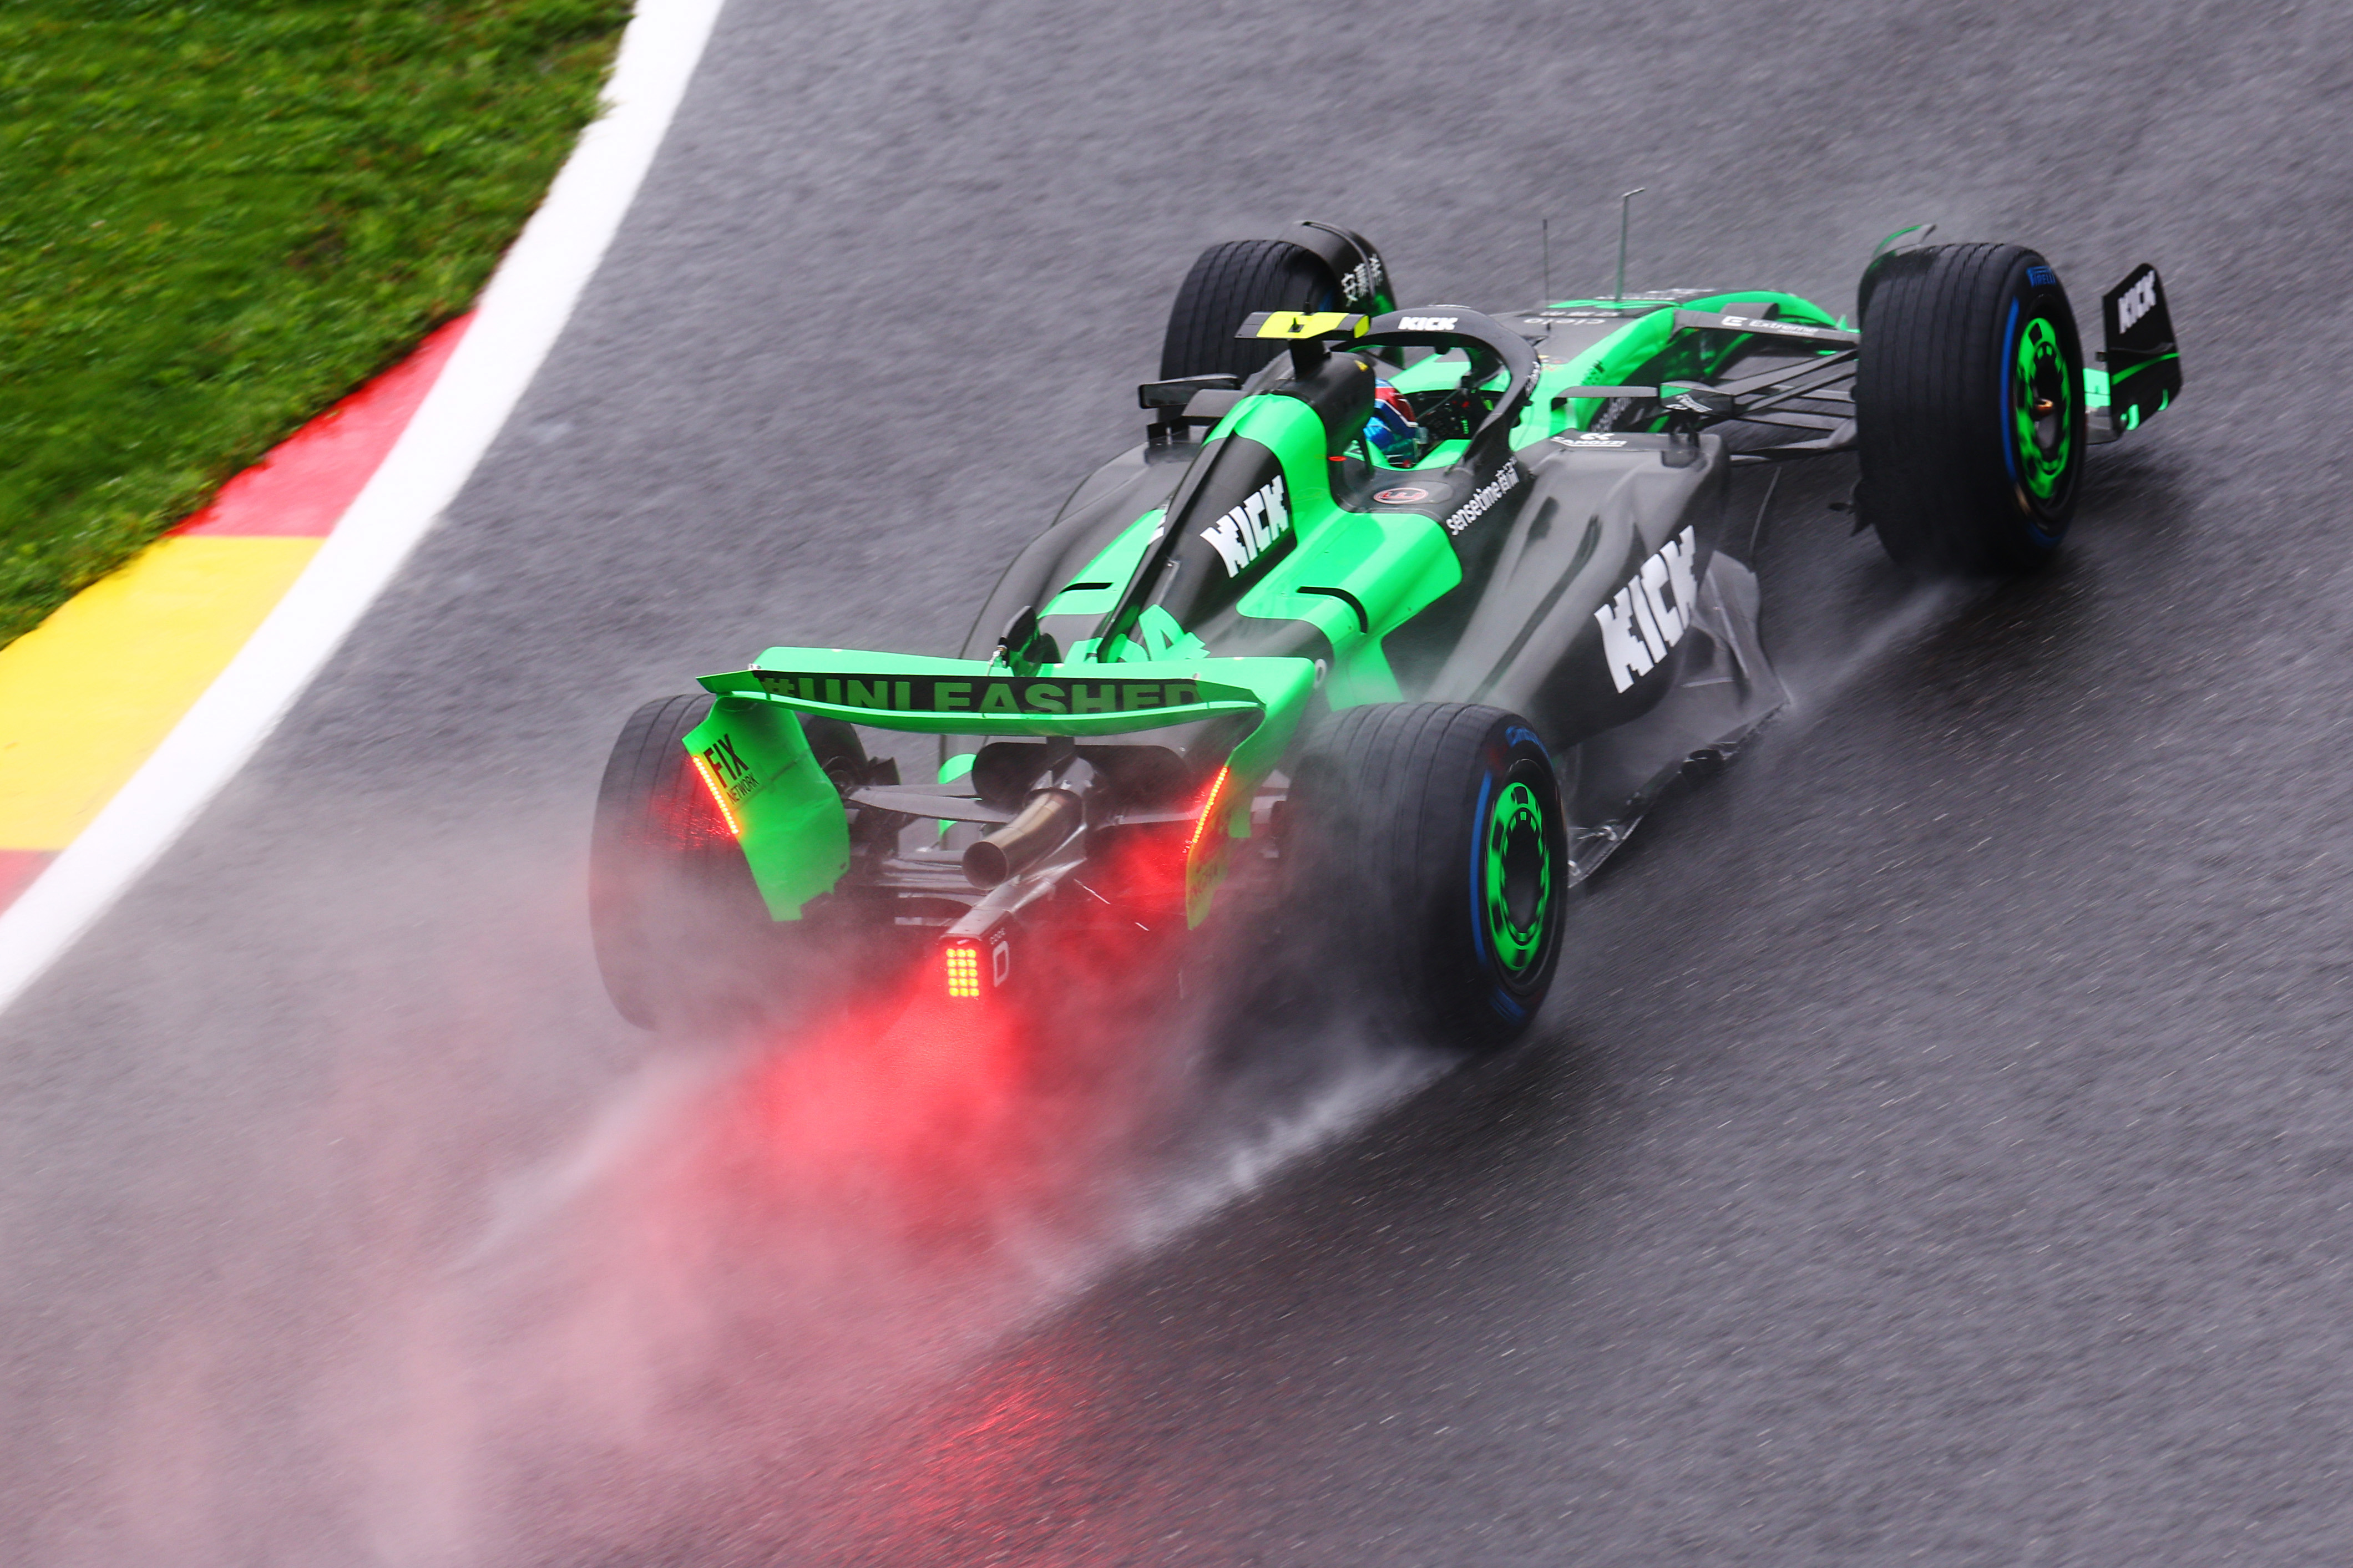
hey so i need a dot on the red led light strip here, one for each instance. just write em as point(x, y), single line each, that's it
point(1208, 810)
point(718, 794)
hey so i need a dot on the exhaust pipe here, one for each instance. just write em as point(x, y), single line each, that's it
point(1044, 823)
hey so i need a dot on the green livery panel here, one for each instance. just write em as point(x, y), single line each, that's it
point(789, 816)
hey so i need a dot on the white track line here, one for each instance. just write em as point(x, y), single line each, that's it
point(520, 313)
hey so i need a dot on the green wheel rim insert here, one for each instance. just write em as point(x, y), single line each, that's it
point(2043, 410)
point(1518, 892)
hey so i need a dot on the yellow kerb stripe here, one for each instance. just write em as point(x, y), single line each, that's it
point(90, 693)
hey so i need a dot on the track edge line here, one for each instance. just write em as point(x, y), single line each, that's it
point(518, 319)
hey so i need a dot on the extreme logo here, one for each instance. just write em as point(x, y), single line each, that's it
point(1780, 329)
point(1247, 531)
point(1650, 614)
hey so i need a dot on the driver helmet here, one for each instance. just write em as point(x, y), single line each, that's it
point(1391, 431)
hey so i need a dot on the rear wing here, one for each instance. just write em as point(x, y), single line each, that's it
point(2139, 370)
point(983, 697)
point(787, 815)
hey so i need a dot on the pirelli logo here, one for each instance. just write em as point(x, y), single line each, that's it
point(1008, 694)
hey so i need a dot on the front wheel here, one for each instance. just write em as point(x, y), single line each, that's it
point(1969, 413)
point(1431, 850)
point(1226, 283)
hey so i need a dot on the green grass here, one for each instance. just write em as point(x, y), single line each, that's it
point(217, 218)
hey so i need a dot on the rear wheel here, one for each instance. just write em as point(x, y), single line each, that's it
point(1968, 408)
point(1431, 848)
point(1229, 283)
point(683, 937)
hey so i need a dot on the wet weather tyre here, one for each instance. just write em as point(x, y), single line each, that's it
point(1431, 856)
point(683, 937)
point(1227, 283)
point(1969, 415)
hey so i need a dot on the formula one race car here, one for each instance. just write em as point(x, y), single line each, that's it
point(1391, 655)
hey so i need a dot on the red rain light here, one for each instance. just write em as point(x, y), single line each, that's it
point(963, 961)
point(718, 794)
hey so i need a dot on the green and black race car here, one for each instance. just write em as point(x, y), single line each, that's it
point(1385, 635)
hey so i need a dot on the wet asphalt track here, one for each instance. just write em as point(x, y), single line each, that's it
point(1937, 1151)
